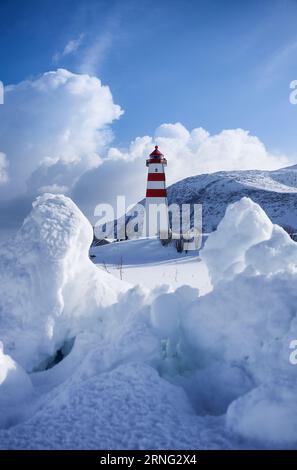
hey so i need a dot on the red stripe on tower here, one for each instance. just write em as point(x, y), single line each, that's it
point(155, 160)
point(156, 193)
point(156, 176)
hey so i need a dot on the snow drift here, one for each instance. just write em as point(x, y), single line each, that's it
point(48, 286)
point(151, 369)
point(15, 388)
point(246, 238)
point(245, 224)
point(242, 330)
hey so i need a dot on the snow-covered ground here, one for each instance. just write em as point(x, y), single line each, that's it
point(146, 262)
point(92, 361)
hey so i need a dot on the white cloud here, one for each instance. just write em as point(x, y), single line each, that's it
point(194, 152)
point(189, 153)
point(53, 129)
point(173, 131)
point(55, 135)
point(71, 47)
point(100, 45)
point(198, 152)
point(53, 189)
point(94, 55)
point(279, 62)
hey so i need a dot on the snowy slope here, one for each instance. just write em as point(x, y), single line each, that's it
point(275, 191)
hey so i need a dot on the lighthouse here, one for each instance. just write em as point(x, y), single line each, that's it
point(156, 205)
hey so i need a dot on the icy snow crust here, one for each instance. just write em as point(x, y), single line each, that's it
point(148, 368)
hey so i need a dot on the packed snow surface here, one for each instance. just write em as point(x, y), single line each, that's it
point(146, 262)
point(90, 361)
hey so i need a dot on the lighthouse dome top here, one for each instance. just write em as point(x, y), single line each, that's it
point(156, 157)
point(156, 152)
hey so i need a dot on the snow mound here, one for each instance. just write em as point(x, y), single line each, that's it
point(48, 286)
point(240, 333)
point(15, 387)
point(152, 369)
point(274, 255)
point(105, 404)
point(130, 407)
point(266, 413)
point(244, 225)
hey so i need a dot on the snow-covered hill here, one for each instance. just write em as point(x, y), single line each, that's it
point(275, 191)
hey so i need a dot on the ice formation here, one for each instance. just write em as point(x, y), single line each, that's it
point(245, 325)
point(48, 286)
point(15, 389)
point(245, 224)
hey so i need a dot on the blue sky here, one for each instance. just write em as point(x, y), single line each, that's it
point(216, 64)
point(171, 66)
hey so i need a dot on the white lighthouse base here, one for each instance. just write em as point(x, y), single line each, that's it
point(156, 221)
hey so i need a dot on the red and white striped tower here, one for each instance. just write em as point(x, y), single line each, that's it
point(156, 195)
